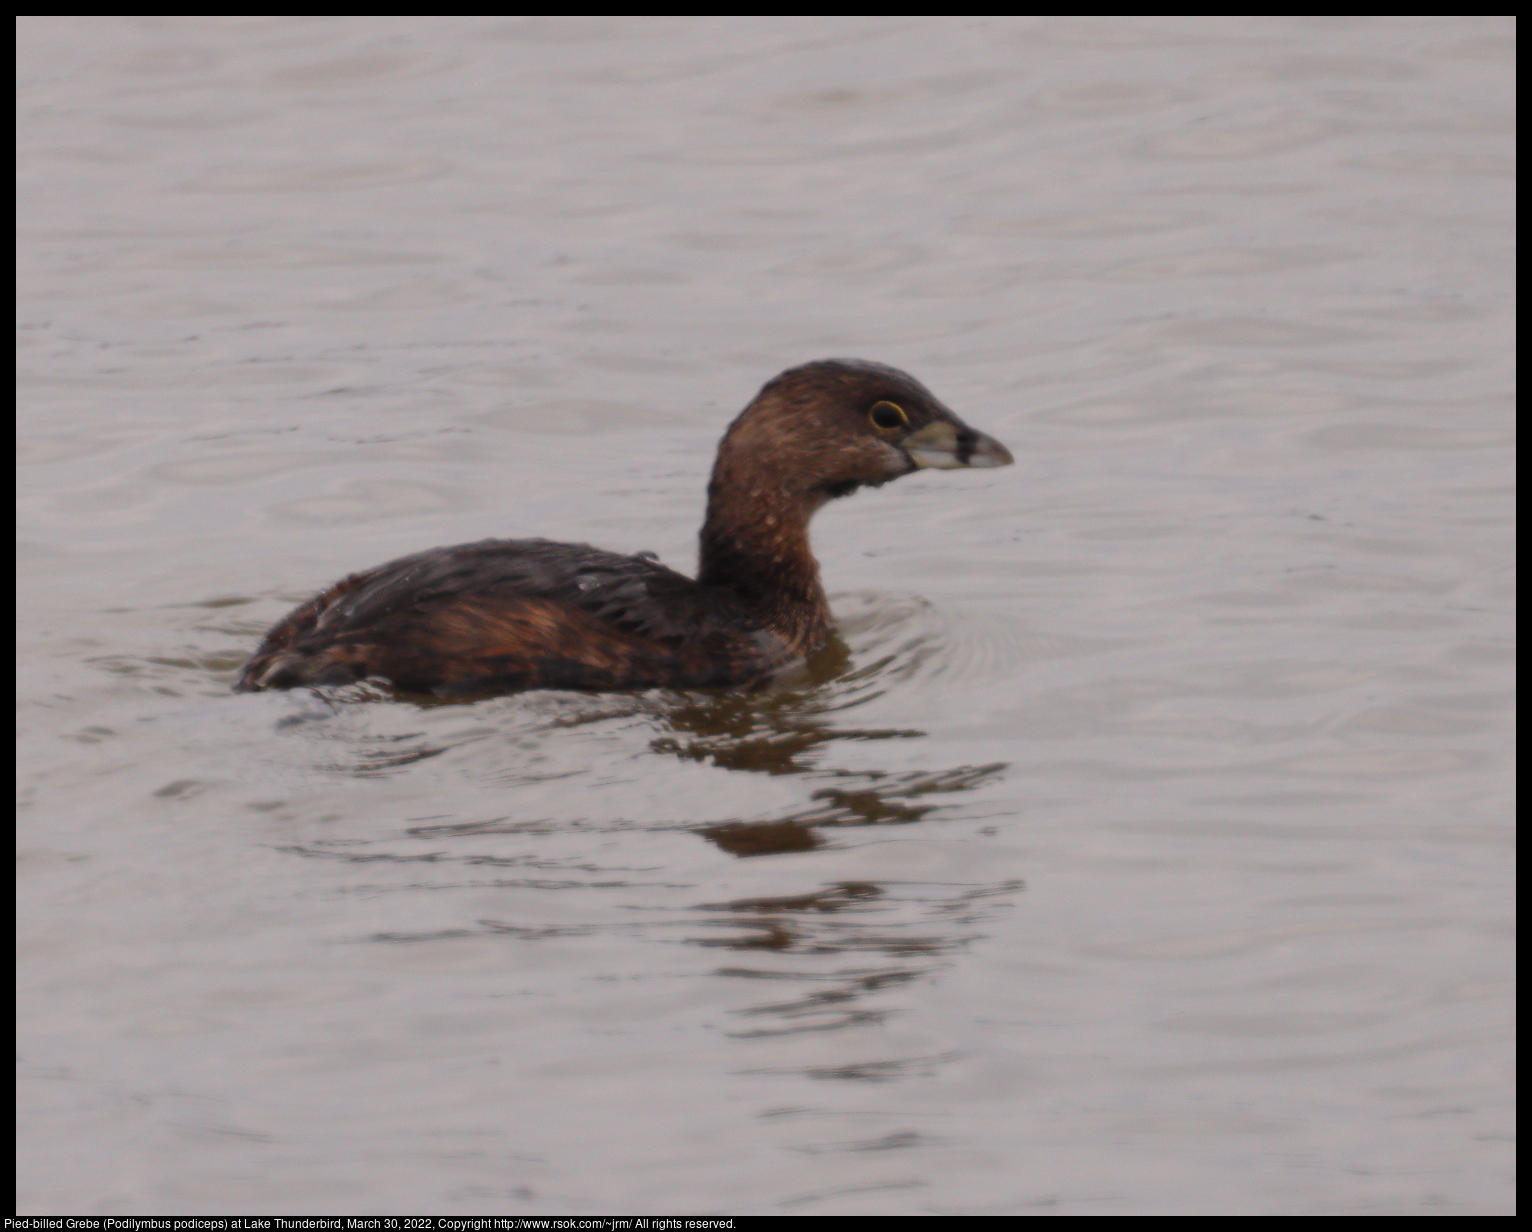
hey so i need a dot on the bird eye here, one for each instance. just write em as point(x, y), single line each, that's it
point(887, 415)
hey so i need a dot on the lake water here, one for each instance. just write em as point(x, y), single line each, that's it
point(1149, 855)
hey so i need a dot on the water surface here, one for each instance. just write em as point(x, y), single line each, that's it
point(1145, 852)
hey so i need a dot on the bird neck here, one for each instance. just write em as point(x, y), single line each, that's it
point(755, 542)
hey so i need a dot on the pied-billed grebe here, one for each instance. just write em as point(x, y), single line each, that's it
point(507, 614)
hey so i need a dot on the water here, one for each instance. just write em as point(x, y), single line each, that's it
point(1146, 855)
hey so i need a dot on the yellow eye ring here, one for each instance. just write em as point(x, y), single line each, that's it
point(887, 416)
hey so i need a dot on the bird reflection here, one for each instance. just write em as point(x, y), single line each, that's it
point(785, 733)
point(807, 939)
point(911, 925)
point(822, 955)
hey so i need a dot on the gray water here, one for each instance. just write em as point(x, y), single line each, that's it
point(1149, 856)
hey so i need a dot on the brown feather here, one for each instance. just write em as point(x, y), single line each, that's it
point(502, 615)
